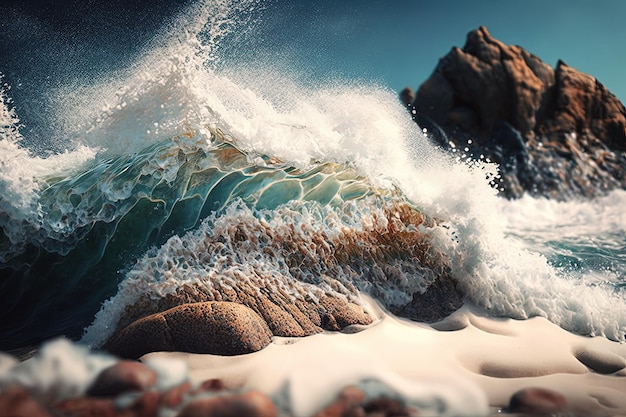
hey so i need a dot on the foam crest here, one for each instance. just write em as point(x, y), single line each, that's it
point(23, 176)
point(302, 251)
point(160, 95)
point(502, 275)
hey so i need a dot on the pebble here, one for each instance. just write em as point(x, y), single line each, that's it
point(124, 376)
point(538, 401)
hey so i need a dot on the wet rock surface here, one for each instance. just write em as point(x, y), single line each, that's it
point(320, 293)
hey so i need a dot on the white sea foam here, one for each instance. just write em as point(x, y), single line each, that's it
point(495, 271)
point(60, 370)
point(170, 92)
point(23, 175)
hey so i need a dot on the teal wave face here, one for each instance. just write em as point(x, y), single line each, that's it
point(97, 223)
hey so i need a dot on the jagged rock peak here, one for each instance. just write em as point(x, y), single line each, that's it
point(487, 81)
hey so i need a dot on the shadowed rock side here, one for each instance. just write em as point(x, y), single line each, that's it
point(557, 133)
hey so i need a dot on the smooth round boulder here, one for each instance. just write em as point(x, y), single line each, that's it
point(215, 327)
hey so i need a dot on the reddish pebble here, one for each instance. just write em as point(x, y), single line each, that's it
point(538, 401)
point(17, 402)
point(250, 404)
point(211, 385)
point(347, 404)
point(146, 405)
point(87, 407)
point(123, 377)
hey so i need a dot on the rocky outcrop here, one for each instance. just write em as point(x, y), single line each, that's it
point(554, 132)
point(392, 253)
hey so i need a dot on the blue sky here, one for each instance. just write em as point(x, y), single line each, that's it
point(398, 42)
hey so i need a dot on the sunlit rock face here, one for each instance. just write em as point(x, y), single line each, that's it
point(554, 132)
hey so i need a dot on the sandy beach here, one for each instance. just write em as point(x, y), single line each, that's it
point(471, 365)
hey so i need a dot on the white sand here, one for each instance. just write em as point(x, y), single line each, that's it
point(469, 369)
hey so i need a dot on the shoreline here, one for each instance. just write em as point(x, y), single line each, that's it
point(468, 364)
point(474, 356)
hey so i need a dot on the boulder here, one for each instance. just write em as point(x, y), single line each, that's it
point(220, 328)
point(283, 315)
point(320, 291)
point(556, 132)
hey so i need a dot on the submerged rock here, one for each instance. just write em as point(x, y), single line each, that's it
point(557, 132)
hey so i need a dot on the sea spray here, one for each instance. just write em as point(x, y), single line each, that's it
point(184, 170)
point(155, 97)
point(22, 177)
point(17, 201)
point(365, 127)
point(182, 87)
